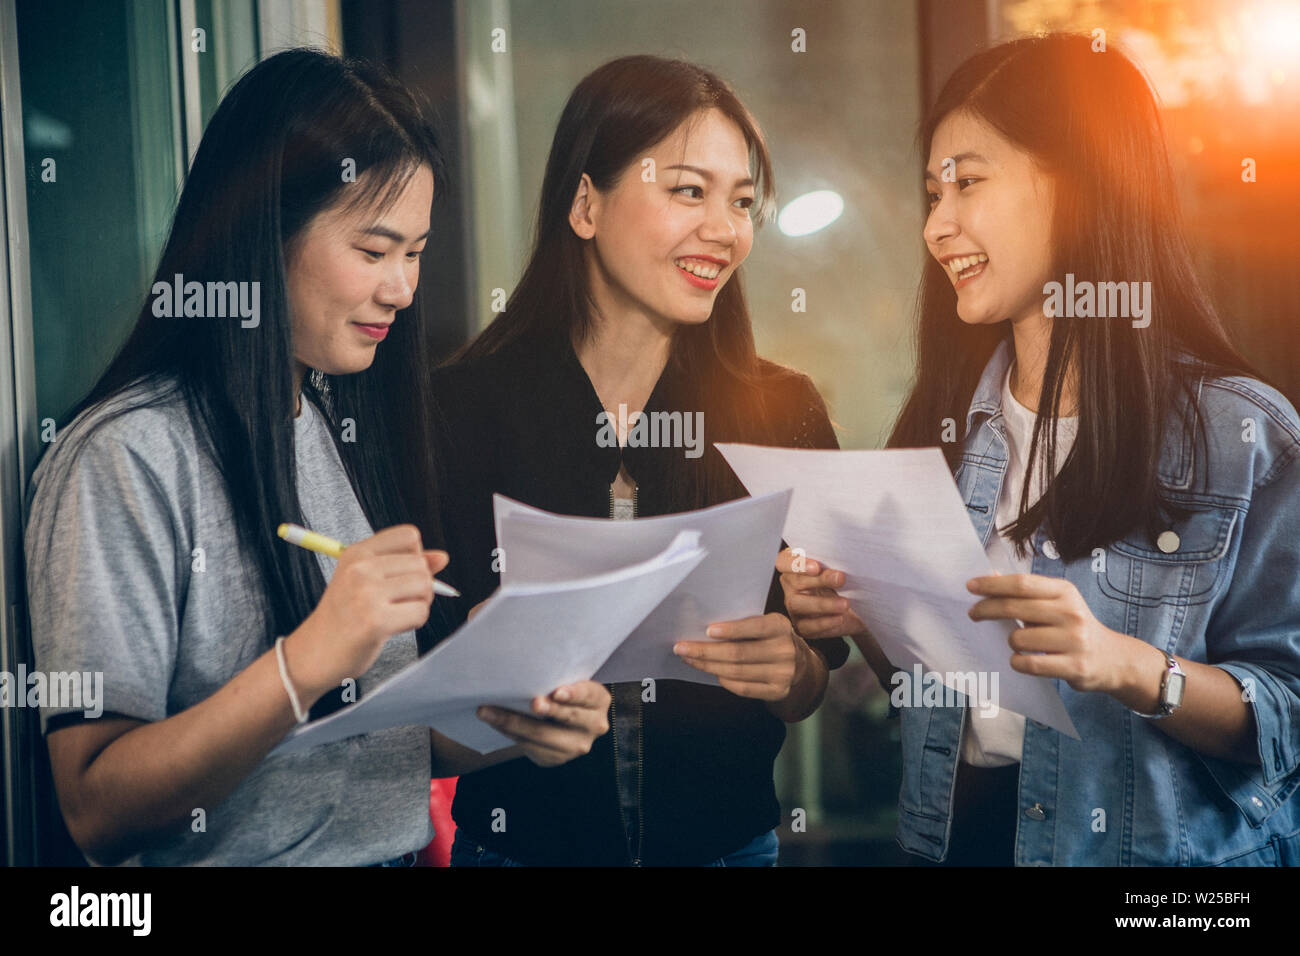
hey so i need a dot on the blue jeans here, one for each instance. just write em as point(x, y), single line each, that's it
point(406, 859)
point(761, 851)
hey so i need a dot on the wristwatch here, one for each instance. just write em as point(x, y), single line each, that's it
point(1171, 690)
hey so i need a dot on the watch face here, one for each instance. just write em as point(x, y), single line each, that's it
point(1174, 690)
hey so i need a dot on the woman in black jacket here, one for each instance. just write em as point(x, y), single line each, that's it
point(630, 304)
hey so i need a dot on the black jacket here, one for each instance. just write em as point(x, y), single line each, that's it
point(523, 422)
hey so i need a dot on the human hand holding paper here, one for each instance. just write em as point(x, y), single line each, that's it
point(752, 657)
point(1057, 634)
point(561, 726)
point(526, 640)
point(893, 520)
point(815, 607)
point(730, 585)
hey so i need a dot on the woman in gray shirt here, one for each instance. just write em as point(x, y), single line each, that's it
point(255, 390)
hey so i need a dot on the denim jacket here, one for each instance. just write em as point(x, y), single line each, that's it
point(1228, 594)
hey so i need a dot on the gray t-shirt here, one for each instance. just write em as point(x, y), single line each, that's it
point(134, 570)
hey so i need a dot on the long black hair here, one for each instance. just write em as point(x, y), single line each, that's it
point(272, 158)
point(613, 116)
point(1091, 120)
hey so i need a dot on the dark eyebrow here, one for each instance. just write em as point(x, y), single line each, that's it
point(959, 158)
point(386, 233)
point(708, 176)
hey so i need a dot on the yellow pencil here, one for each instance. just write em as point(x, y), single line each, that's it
point(305, 538)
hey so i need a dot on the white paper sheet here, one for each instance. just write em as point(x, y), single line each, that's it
point(742, 538)
point(894, 523)
point(527, 640)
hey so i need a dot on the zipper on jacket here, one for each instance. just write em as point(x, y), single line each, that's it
point(613, 730)
point(634, 855)
point(640, 751)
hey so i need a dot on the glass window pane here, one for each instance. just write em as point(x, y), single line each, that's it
point(102, 149)
point(230, 36)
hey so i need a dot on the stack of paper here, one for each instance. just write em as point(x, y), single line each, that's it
point(895, 524)
point(527, 640)
point(742, 539)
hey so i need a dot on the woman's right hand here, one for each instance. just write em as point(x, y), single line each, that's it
point(383, 586)
point(123, 782)
point(814, 608)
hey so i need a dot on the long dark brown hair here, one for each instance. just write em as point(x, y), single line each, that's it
point(268, 163)
point(1091, 120)
point(612, 117)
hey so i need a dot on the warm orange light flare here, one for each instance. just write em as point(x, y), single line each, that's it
point(1270, 34)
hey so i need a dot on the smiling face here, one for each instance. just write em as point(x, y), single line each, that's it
point(991, 228)
point(663, 249)
point(348, 275)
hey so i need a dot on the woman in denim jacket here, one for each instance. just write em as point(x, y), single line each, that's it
point(1120, 458)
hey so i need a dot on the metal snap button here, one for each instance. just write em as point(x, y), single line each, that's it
point(1168, 542)
point(1036, 812)
point(1049, 549)
point(1256, 801)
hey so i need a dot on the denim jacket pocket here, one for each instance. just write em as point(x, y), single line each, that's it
point(1242, 785)
point(1266, 855)
point(1184, 566)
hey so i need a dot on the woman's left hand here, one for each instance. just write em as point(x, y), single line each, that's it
point(1060, 637)
point(753, 657)
point(562, 726)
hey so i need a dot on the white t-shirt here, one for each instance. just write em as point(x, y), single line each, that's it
point(997, 741)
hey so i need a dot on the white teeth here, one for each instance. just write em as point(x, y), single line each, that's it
point(705, 270)
point(962, 263)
